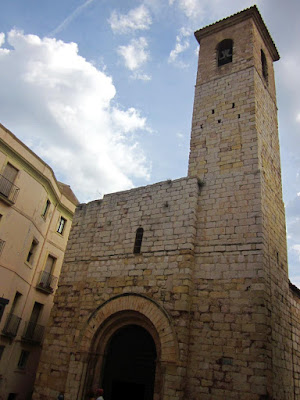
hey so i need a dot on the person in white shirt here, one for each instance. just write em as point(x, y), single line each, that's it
point(99, 394)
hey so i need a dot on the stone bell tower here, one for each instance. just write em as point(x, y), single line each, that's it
point(179, 290)
point(241, 282)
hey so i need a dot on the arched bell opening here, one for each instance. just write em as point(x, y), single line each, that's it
point(125, 359)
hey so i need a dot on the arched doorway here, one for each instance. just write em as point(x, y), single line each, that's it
point(129, 367)
point(94, 341)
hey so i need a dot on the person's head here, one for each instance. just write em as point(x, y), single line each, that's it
point(99, 392)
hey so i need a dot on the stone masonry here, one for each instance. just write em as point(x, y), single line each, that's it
point(210, 282)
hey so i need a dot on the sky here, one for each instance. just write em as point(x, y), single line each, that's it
point(103, 90)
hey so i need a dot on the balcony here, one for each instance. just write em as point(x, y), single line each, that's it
point(33, 332)
point(8, 191)
point(47, 282)
point(11, 325)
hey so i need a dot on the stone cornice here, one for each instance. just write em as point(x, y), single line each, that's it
point(251, 12)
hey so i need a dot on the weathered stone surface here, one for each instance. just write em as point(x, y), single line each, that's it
point(210, 284)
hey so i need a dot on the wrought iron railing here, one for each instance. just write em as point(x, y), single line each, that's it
point(33, 332)
point(47, 282)
point(2, 243)
point(11, 325)
point(8, 189)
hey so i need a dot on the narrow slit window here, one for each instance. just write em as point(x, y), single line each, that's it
point(1, 351)
point(264, 65)
point(46, 209)
point(23, 359)
point(32, 251)
point(224, 52)
point(61, 225)
point(3, 303)
point(138, 240)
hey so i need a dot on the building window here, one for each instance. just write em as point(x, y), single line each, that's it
point(61, 226)
point(12, 322)
point(46, 209)
point(3, 303)
point(33, 331)
point(16, 305)
point(224, 52)
point(32, 251)
point(138, 240)
point(50, 264)
point(1, 351)
point(264, 65)
point(23, 359)
point(7, 180)
point(47, 281)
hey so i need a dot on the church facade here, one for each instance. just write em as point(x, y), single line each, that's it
point(180, 290)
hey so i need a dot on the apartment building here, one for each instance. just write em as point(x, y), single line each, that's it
point(36, 213)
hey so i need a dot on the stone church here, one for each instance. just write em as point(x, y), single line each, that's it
point(179, 290)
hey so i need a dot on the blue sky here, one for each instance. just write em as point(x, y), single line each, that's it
point(103, 90)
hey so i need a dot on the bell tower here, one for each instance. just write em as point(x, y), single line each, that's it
point(235, 74)
point(241, 256)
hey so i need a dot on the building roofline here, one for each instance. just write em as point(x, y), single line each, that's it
point(68, 192)
point(61, 186)
point(234, 19)
point(294, 289)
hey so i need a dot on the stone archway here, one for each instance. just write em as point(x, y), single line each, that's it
point(130, 365)
point(109, 318)
point(99, 351)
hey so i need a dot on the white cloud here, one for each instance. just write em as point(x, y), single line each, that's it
point(141, 76)
point(190, 7)
point(135, 53)
point(137, 19)
point(182, 44)
point(128, 121)
point(65, 110)
point(194, 9)
point(197, 10)
point(2, 38)
point(296, 248)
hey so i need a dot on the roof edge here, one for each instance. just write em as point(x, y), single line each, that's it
point(294, 289)
point(71, 197)
point(234, 19)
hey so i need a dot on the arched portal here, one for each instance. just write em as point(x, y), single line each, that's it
point(88, 365)
point(129, 367)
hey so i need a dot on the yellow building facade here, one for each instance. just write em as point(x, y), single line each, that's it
point(36, 213)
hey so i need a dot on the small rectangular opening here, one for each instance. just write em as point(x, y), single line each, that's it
point(46, 209)
point(61, 225)
point(23, 359)
point(1, 351)
point(32, 251)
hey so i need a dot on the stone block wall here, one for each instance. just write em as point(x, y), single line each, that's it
point(240, 332)
point(294, 301)
point(100, 265)
point(211, 282)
